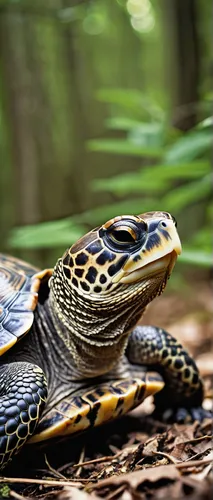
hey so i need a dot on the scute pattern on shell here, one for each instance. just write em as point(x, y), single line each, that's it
point(18, 299)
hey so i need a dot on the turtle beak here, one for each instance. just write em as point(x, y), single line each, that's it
point(157, 254)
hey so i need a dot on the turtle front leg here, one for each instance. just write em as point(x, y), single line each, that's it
point(182, 396)
point(23, 393)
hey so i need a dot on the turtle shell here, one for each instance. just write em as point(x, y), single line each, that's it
point(19, 286)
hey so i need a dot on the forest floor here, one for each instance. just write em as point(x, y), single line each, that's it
point(136, 457)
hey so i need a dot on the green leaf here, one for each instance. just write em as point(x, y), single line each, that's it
point(208, 122)
point(180, 171)
point(122, 123)
point(123, 147)
point(185, 195)
point(136, 182)
point(196, 257)
point(46, 234)
point(132, 100)
point(147, 135)
point(143, 133)
point(152, 179)
point(190, 146)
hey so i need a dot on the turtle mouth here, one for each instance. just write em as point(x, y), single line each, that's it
point(164, 264)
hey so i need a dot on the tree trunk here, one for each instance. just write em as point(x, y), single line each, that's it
point(182, 42)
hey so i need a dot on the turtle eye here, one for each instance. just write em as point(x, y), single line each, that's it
point(123, 236)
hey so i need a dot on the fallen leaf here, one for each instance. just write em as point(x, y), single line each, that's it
point(134, 479)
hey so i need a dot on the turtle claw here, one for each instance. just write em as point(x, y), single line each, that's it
point(200, 414)
point(182, 415)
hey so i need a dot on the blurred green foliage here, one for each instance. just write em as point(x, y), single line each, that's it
point(61, 53)
point(175, 174)
point(176, 171)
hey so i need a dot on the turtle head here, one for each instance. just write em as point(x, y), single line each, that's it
point(102, 284)
point(124, 251)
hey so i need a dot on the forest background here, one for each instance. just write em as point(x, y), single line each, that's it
point(105, 109)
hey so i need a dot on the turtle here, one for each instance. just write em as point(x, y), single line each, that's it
point(73, 355)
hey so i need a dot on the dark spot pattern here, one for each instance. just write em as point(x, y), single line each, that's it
point(67, 272)
point(165, 234)
point(75, 282)
point(91, 397)
point(109, 286)
point(141, 392)
point(94, 247)
point(195, 378)
point(120, 402)
point(85, 286)
point(153, 226)
point(164, 353)
point(105, 256)
point(188, 361)
point(178, 364)
point(81, 259)
point(174, 351)
point(114, 268)
point(117, 390)
point(159, 343)
point(77, 401)
point(78, 418)
point(71, 263)
point(100, 391)
point(79, 272)
point(186, 373)
point(66, 260)
point(92, 414)
point(136, 258)
point(153, 241)
point(103, 279)
point(91, 274)
point(97, 289)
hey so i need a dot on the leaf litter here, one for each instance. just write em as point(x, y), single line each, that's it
point(135, 458)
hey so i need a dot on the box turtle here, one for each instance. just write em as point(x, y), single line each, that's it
point(71, 355)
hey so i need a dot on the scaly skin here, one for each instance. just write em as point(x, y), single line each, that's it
point(23, 395)
point(182, 394)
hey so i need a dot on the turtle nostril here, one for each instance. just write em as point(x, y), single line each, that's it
point(164, 224)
